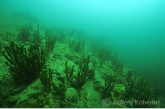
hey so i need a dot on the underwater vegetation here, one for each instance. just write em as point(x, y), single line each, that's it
point(23, 62)
point(83, 75)
point(51, 39)
point(24, 33)
point(36, 35)
point(63, 68)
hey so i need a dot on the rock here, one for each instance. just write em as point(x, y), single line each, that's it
point(80, 104)
point(71, 94)
point(35, 89)
point(118, 92)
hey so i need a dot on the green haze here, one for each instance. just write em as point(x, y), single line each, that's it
point(134, 28)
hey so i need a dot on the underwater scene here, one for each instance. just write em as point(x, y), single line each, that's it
point(82, 53)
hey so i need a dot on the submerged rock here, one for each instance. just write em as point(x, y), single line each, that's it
point(71, 94)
